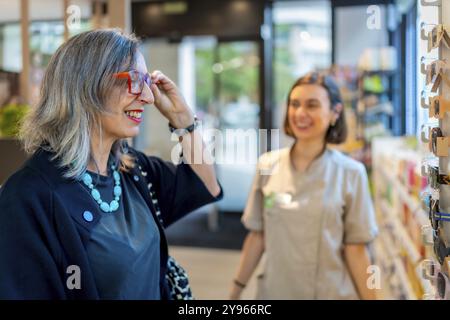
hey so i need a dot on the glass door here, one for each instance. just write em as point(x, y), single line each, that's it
point(235, 101)
point(220, 81)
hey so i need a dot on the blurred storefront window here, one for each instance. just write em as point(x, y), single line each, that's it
point(302, 44)
point(45, 38)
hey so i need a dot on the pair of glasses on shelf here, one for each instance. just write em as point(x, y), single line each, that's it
point(432, 271)
point(440, 248)
point(431, 205)
point(435, 214)
point(435, 72)
point(434, 178)
point(430, 268)
point(438, 144)
point(440, 34)
point(437, 106)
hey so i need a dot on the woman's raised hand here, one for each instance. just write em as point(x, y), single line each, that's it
point(170, 102)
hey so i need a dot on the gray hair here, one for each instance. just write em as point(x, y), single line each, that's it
point(74, 91)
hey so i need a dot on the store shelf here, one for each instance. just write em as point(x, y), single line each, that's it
point(400, 214)
point(384, 263)
point(400, 191)
point(408, 244)
point(412, 203)
point(394, 256)
point(400, 271)
point(405, 239)
point(410, 295)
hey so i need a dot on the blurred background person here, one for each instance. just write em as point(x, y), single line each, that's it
point(309, 211)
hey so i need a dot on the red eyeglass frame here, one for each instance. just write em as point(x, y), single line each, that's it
point(126, 75)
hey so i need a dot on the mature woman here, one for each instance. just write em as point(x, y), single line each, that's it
point(84, 217)
point(311, 212)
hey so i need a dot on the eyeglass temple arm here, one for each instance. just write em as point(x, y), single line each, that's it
point(121, 75)
point(442, 216)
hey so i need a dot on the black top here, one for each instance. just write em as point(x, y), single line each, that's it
point(46, 223)
point(123, 250)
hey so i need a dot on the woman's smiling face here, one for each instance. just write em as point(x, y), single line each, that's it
point(309, 112)
point(125, 110)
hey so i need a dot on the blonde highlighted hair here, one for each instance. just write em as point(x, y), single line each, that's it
point(74, 90)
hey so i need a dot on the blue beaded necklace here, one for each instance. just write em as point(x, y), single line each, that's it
point(106, 207)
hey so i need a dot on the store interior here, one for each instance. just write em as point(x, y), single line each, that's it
point(234, 62)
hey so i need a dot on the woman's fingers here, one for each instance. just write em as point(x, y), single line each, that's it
point(162, 102)
point(168, 99)
point(156, 93)
point(162, 80)
point(165, 91)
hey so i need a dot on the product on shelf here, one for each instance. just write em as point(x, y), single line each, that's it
point(398, 187)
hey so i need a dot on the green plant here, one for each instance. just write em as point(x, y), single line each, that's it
point(10, 119)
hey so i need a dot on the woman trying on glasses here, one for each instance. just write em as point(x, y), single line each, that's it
point(79, 220)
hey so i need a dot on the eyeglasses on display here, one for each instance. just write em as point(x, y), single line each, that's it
point(435, 72)
point(440, 248)
point(435, 179)
point(434, 214)
point(439, 34)
point(430, 269)
point(438, 107)
point(438, 144)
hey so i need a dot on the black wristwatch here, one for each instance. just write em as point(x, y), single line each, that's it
point(189, 129)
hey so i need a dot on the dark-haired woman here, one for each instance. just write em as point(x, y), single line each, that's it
point(309, 213)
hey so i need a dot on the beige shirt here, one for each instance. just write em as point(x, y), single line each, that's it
point(307, 218)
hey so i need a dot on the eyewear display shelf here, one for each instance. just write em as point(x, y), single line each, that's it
point(437, 36)
point(399, 249)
